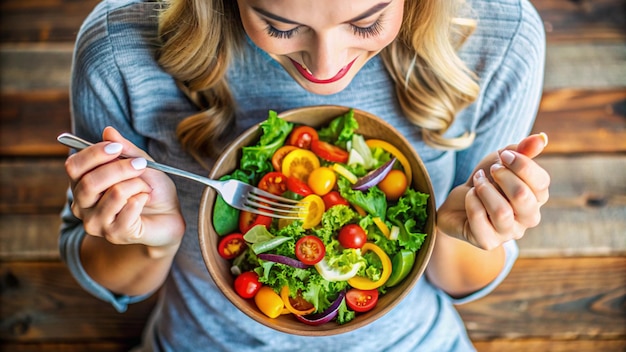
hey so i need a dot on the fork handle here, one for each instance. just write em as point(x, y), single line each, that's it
point(78, 143)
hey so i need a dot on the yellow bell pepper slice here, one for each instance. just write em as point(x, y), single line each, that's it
point(284, 294)
point(382, 226)
point(364, 283)
point(388, 147)
point(341, 170)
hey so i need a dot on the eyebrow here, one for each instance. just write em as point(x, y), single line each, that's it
point(366, 14)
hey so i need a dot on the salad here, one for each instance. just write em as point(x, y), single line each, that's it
point(362, 222)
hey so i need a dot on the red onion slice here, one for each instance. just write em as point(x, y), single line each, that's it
point(282, 260)
point(322, 318)
point(374, 177)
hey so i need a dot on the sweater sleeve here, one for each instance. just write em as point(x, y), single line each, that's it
point(98, 99)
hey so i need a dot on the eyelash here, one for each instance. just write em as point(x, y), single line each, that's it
point(364, 32)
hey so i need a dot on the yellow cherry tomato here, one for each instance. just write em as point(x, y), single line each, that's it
point(269, 302)
point(364, 283)
point(394, 184)
point(388, 147)
point(322, 180)
point(313, 209)
point(300, 163)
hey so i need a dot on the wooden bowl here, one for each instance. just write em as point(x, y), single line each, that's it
point(371, 127)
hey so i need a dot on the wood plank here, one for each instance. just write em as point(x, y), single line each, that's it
point(42, 20)
point(91, 346)
point(547, 345)
point(41, 302)
point(585, 65)
point(583, 20)
point(23, 68)
point(59, 20)
point(586, 212)
point(583, 121)
point(29, 237)
point(32, 186)
point(555, 299)
point(30, 123)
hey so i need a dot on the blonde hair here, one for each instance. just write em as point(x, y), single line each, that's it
point(200, 37)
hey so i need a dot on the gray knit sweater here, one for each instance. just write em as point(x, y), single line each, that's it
point(116, 81)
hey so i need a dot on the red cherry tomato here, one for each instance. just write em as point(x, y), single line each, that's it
point(247, 284)
point(248, 220)
point(310, 250)
point(231, 246)
point(302, 136)
point(352, 236)
point(298, 187)
point(333, 198)
point(329, 152)
point(361, 300)
point(274, 182)
point(279, 155)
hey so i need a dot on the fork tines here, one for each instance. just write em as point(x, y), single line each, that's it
point(268, 204)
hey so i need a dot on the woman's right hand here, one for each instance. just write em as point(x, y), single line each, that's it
point(122, 201)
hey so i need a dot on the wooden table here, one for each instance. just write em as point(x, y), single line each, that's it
point(566, 292)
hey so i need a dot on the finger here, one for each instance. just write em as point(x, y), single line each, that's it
point(80, 163)
point(129, 149)
point(521, 197)
point(530, 146)
point(88, 190)
point(528, 171)
point(128, 225)
point(478, 230)
point(496, 205)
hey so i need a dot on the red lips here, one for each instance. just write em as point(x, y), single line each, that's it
point(306, 74)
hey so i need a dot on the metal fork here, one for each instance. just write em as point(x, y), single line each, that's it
point(237, 194)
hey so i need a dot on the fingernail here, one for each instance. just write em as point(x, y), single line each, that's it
point(544, 137)
point(479, 176)
point(113, 148)
point(495, 167)
point(139, 163)
point(507, 157)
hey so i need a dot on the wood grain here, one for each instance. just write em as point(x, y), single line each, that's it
point(41, 302)
point(544, 345)
point(555, 299)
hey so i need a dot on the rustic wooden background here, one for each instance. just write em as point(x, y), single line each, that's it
point(566, 293)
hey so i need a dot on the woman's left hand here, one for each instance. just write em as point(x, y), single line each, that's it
point(501, 199)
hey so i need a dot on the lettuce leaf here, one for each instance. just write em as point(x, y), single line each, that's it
point(257, 159)
point(410, 215)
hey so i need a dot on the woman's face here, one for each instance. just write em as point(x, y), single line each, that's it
point(322, 43)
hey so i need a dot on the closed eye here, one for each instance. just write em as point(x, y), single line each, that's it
point(276, 33)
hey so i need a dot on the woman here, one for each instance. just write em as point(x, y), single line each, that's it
point(178, 79)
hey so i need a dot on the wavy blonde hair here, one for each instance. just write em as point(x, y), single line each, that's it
point(200, 37)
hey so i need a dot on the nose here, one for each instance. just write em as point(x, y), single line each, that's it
point(326, 56)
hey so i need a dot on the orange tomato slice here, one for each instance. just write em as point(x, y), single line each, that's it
point(388, 147)
point(300, 163)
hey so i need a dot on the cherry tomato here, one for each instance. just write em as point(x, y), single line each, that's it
point(313, 210)
point(299, 164)
point(269, 302)
point(322, 180)
point(394, 184)
point(361, 300)
point(247, 284)
point(279, 155)
point(298, 187)
point(352, 236)
point(329, 152)
point(310, 250)
point(302, 136)
point(274, 182)
point(248, 220)
point(333, 198)
point(231, 246)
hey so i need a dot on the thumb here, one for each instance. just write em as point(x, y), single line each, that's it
point(131, 150)
point(532, 145)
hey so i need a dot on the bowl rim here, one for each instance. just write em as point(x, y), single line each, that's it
point(205, 229)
